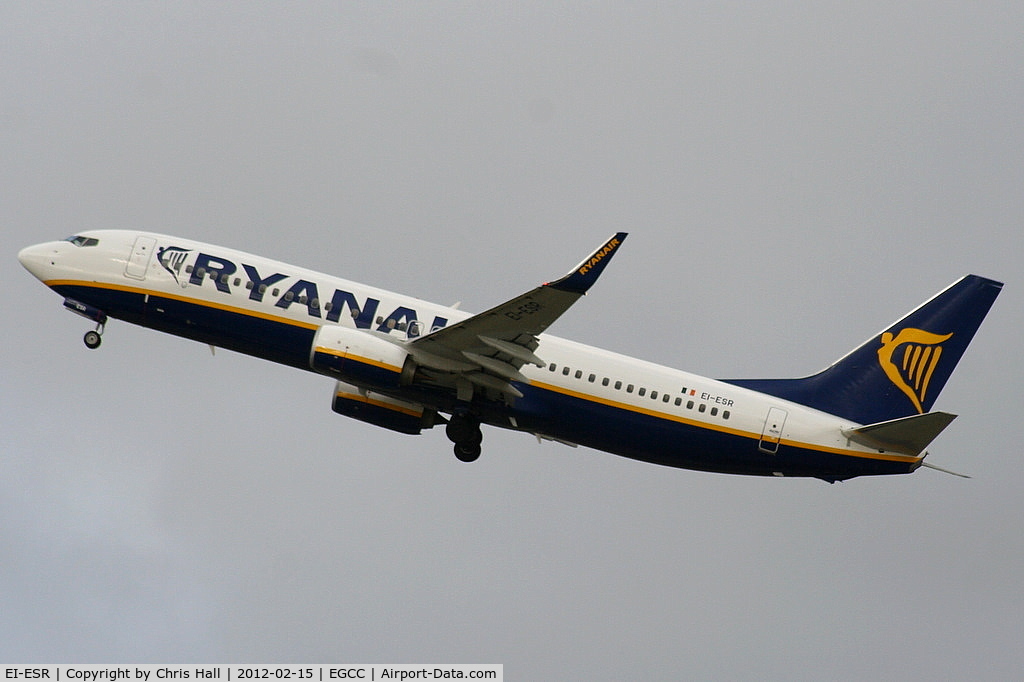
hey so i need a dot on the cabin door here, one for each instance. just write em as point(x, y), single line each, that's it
point(771, 435)
point(138, 262)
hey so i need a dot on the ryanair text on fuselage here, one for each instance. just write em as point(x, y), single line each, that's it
point(301, 292)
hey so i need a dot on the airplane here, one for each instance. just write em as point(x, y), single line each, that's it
point(408, 365)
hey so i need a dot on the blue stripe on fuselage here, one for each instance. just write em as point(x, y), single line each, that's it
point(265, 337)
point(687, 445)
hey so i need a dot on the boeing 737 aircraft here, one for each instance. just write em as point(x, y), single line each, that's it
point(409, 365)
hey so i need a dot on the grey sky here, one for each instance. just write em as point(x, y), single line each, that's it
point(793, 178)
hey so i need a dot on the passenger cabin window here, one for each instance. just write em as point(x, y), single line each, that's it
point(79, 240)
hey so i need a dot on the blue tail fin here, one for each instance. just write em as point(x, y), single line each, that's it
point(900, 371)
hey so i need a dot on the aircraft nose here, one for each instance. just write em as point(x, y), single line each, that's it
point(38, 259)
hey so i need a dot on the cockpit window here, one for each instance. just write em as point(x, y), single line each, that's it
point(78, 240)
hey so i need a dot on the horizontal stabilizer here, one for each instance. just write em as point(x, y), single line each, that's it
point(908, 436)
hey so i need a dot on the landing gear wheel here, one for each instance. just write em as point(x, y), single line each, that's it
point(464, 430)
point(92, 339)
point(466, 452)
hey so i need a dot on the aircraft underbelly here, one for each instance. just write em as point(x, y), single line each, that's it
point(268, 339)
point(682, 444)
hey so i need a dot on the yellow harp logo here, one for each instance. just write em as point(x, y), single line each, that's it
point(911, 369)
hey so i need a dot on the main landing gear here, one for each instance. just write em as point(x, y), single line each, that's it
point(463, 429)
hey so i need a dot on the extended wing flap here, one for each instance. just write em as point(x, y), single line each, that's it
point(501, 340)
point(909, 435)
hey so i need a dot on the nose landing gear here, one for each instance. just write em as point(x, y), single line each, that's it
point(463, 430)
point(92, 338)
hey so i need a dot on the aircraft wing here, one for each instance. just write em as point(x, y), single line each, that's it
point(489, 349)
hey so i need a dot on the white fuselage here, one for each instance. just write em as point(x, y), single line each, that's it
point(583, 394)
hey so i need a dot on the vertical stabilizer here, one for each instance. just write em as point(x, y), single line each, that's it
point(900, 371)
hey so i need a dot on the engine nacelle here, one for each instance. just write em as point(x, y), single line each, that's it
point(380, 410)
point(359, 357)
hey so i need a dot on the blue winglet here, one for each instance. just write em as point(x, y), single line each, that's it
point(583, 276)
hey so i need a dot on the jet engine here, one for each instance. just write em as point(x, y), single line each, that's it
point(360, 358)
point(380, 410)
